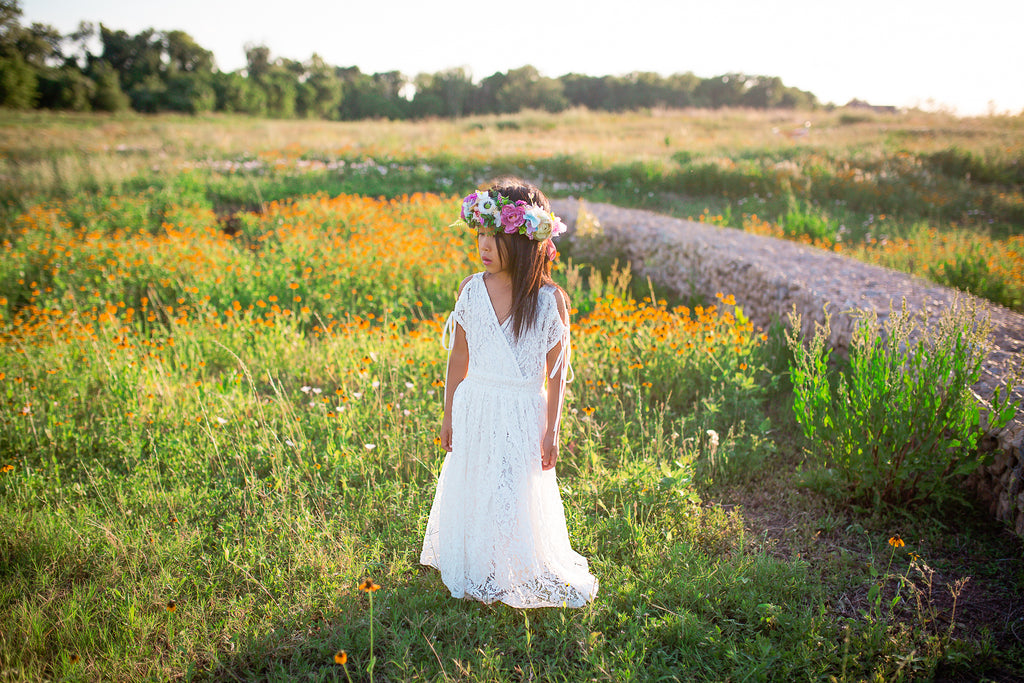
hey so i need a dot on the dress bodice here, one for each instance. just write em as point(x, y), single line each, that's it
point(493, 348)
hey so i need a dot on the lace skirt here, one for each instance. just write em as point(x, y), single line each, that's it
point(497, 527)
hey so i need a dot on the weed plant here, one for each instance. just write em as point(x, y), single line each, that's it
point(902, 424)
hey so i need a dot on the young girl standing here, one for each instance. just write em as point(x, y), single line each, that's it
point(497, 527)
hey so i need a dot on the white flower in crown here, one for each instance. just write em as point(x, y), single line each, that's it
point(488, 206)
point(544, 228)
point(468, 205)
point(532, 218)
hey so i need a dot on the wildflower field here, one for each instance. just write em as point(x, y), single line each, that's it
point(221, 381)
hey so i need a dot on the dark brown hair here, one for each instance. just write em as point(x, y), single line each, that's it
point(526, 259)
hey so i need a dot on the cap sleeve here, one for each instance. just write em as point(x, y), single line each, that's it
point(461, 312)
point(555, 328)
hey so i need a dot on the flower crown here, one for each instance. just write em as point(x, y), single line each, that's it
point(493, 212)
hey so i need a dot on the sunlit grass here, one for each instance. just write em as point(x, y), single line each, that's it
point(226, 433)
point(219, 415)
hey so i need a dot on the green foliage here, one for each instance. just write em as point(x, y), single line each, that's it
point(17, 83)
point(151, 64)
point(108, 96)
point(803, 218)
point(901, 424)
point(190, 485)
point(970, 272)
point(189, 93)
point(991, 168)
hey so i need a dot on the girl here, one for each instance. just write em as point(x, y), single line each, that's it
point(497, 527)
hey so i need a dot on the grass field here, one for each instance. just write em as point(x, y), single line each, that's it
point(221, 378)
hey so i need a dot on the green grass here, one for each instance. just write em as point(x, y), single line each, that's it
point(222, 464)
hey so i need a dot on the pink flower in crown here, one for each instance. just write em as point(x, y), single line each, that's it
point(512, 216)
point(557, 226)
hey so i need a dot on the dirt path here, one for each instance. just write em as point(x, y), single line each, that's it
point(768, 275)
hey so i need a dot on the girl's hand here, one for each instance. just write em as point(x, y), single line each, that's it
point(446, 433)
point(548, 451)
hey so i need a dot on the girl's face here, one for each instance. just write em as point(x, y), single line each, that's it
point(490, 254)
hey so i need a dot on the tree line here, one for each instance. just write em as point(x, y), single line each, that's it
point(154, 71)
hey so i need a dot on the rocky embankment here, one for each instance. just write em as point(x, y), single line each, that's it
point(769, 277)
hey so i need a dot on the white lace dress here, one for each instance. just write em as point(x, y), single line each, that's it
point(497, 526)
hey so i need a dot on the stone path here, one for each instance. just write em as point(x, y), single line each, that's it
point(768, 276)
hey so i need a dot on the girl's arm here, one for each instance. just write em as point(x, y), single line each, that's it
point(458, 366)
point(549, 444)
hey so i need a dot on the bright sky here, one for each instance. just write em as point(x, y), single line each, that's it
point(928, 53)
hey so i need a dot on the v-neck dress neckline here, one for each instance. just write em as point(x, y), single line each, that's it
point(490, 301)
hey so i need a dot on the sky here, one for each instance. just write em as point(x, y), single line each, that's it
point(960, 56)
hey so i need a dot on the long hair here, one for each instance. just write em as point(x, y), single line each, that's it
point(526, 259)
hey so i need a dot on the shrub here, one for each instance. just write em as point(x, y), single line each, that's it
point(902, 422)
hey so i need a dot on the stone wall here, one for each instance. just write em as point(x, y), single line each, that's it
point(769, 277)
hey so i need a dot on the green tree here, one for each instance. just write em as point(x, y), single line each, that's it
point(149, 94)
point(320, 92)
point(257, 60)
point(372, 96)
point(17, 83)
point(188, 92)
point(682, 88)
point(485, 99)
point(591, 92)
point(721, 91)
point(66, 88)
point(184, 55)
point(18, 79)
point(236, 93)
point(446, 93)
point(525, 88)
point(108, 95)
point(763, 92)
point(137, 59)
point(281, 87)
point(76, 45)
